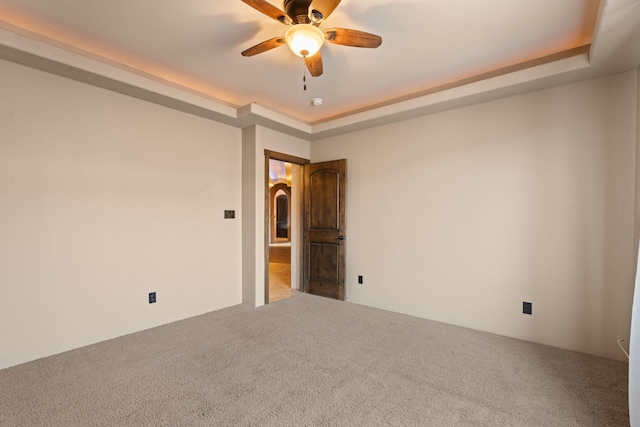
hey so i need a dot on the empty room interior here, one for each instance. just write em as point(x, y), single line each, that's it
point(429, 215)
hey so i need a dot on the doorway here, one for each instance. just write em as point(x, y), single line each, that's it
point(280, 186)
point(283, 212)
point(280, 202)
point(323, 187)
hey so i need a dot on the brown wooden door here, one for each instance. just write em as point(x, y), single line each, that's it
point(325, 228)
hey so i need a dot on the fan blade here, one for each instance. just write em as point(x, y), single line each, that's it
point(354, 38)
point(314, 64)
point(268, 9)
point(264, 46)
point(325, 7)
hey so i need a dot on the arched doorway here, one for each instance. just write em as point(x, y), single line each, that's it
point(282, 216)
point(280, 202)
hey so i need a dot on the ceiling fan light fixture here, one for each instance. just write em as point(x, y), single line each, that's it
point(304, 39)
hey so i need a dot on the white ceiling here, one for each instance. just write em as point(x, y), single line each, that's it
point(196, 44)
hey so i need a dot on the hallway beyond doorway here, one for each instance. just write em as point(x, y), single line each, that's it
point(280, 272)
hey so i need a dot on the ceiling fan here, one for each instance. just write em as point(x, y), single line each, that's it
point(303, 36)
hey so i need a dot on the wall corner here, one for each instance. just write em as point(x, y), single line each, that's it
point(248, 216)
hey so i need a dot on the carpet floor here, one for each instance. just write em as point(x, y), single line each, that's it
point(310, 361)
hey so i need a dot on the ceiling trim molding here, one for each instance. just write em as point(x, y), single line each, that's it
point(463, 92)
point(471, 79)
point(36, 54)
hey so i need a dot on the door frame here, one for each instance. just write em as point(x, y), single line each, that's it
point(268, 155)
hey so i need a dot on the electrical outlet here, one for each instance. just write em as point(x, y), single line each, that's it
point(526, 308)
point(229, 214)
point(360, 280)
point(152, 297)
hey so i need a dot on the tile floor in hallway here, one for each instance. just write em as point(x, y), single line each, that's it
point(280, 273)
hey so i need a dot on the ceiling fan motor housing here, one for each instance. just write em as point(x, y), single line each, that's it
point(298, 10)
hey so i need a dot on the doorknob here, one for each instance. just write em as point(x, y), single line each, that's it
point(342, 238)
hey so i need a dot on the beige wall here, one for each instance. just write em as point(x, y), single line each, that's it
point(458, 216)
point(461, 216)
point(103, 199)
point(634, 362)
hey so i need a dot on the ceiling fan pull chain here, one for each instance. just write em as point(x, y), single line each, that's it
point(304, 76)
